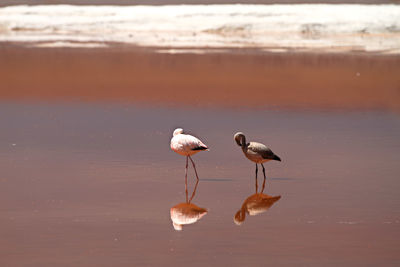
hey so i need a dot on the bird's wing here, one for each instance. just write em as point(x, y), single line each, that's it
point(261, 149)
point(192, 142)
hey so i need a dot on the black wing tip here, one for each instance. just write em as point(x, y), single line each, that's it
point(276, 158)
point(200, 148)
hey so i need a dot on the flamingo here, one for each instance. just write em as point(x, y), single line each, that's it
point(187, 212)
point(186, 145)
point(255, 204)
point(256, 152)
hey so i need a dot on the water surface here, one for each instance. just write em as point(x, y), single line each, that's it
point(93, 184)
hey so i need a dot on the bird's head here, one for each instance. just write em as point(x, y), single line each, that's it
point(240, 139)
point(240, 216)
point(178, 131)
point(177, 227)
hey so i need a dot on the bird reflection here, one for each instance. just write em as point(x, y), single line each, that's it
point(255, 204)
point(187, 212)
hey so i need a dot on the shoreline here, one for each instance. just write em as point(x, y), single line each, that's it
point(232, 78)
point(343, 51)
point(186, 2)
point(276, 28)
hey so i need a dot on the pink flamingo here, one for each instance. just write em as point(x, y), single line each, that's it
point(186, 145)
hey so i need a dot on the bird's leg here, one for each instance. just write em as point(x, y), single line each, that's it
point(194, 191)
point(265, 178)
point(256, 178)
point(194, 166)
point(186, 170)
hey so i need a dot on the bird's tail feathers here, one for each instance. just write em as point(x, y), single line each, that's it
point(276, 158)
point(200, 148)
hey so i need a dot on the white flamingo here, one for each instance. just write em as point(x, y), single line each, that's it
point(186, 145)
point(186, 213)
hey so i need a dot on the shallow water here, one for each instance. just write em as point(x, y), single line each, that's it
point(93, 185)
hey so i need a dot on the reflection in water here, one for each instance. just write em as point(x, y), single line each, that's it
point(187, 212)
point(255, 204)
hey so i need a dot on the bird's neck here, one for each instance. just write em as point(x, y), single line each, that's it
point(244, 148)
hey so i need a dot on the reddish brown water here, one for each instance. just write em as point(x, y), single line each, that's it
point(236, 78)
point(92, 185)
